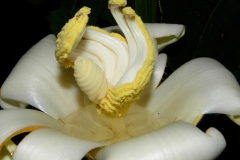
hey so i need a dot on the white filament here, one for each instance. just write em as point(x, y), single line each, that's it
point(90, 78)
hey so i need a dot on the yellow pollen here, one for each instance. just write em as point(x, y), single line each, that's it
point(70, 35)
point(117, 2)
point(122, 97)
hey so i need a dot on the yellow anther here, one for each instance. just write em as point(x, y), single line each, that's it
point(128, 11)
point(70, 35)
point(117, 2)
point(120, 98)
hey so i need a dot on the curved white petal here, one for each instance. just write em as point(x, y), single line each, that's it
point(200, 86)
point(179, 140)
point(16, 121)
point(157, 30)
point(159, 67)
point(38, 80)
point(50, 144)
point(164, 33)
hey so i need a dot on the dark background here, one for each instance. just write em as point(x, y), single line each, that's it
point(212, 30)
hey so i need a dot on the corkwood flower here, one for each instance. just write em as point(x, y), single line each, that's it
point(98, 94)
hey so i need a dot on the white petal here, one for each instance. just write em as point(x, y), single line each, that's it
point(16, 121)
point(198, 87)
point(157, 30)
point(40, 81)
point(165, 34)
point(50, 144)
point(159, 67)
point(179, 140)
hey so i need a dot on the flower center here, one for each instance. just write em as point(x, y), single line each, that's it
point(111, 69)
point(86, 123)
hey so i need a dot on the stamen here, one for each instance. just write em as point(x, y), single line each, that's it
point(90, 78)
point(133, 58)
point(117, 47)
point(70, 35)
point(122, 97)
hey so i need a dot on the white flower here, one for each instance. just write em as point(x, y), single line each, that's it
point(107, 102)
